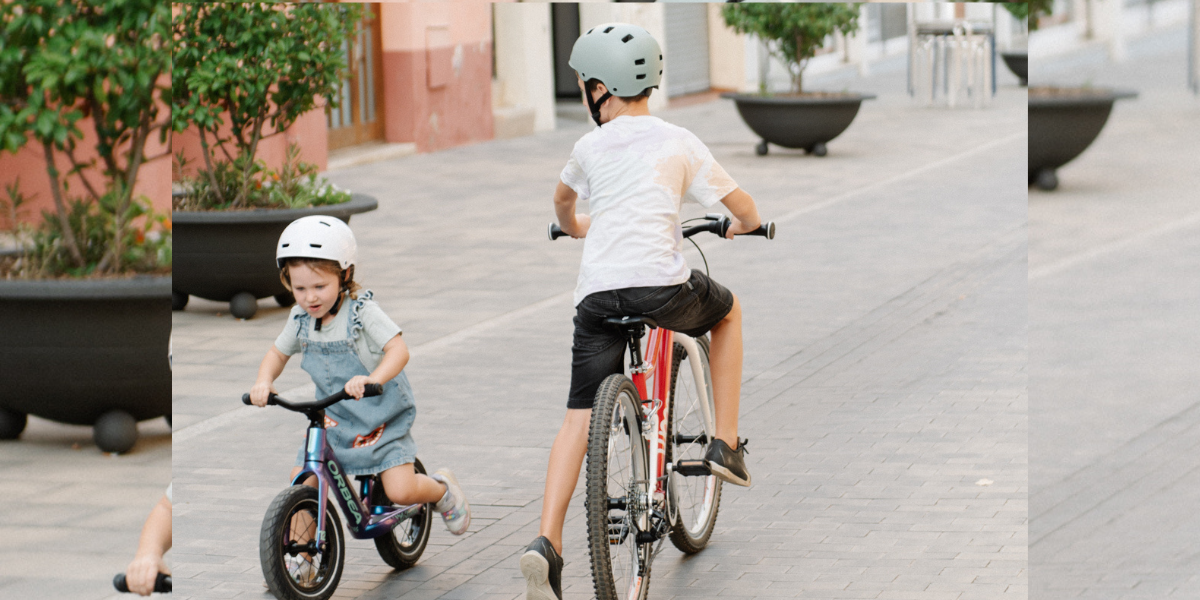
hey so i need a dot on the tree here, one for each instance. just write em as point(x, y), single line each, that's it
point(793, 32)
point(63, 61)
point(254, 65)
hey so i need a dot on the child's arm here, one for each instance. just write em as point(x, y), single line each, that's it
point(572, 224)
point(745, 213)
point(395, 356)
point(272, 365)
point(155, 541)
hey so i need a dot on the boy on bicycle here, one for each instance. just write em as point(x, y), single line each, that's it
point(635, 170)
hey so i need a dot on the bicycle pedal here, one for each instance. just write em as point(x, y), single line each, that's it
point(693, 468)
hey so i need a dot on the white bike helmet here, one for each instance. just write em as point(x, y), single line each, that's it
point(624, 57)
point(318, 236)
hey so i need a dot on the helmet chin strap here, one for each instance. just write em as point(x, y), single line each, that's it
point(336, 305)
point(594, 106)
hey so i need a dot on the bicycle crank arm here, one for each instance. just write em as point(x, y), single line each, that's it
point(692, 468)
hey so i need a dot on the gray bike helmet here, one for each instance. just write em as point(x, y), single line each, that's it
point(624, 57)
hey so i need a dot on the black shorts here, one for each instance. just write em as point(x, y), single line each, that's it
point(692, 308)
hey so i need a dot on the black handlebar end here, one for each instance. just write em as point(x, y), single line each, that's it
point(555, 232)
point(162, 583)
point(246, 399)
point(372, 389)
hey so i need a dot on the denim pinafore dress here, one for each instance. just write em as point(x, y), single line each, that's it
point(369, 435)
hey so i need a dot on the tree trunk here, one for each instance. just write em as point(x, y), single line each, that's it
point(60, 207)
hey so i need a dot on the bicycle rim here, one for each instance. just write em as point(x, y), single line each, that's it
point(616, 475)
point(695, 499)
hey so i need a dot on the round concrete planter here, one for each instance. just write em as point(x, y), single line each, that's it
point(807, 122)
point(1018, 63)
point(86, 352)
point(229, 256)
point(1062, 125)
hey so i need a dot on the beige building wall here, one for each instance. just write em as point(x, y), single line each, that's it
point(524, 83)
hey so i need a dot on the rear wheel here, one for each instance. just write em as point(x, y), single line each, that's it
point(404, 545)
point(695, 500)
point(295, 567)
point(616, 505)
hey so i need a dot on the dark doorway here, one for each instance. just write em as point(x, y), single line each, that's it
point(565, 24)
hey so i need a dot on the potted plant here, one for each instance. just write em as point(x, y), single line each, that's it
point(1018, 60)
point(84, 294)
point(241, 71)
point(793, 33)
point(1063, 121)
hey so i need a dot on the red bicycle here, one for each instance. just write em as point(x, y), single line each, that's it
point(646, 475)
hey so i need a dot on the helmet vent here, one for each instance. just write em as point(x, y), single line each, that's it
point(609, 29)
point(640, 61)
point(628, 36)
point(642, 76)
point(314, 245)
point(286, 245)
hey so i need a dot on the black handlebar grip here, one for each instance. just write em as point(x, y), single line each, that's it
point(270, 399)
point(555, 232)
point(723, 226)
point(372, 389)
point(766, 230)
point(162, 583)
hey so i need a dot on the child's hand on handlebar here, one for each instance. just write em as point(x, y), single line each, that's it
point(141, 573)
point(582, 224)
point(357, 386)
point(737, 226)
point(261, 391)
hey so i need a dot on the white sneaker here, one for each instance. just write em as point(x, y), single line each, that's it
point(456, 513)
point(300, 570)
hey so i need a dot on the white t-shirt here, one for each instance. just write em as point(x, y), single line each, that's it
point(635, 172)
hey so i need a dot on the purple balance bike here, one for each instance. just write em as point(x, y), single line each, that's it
point(301, 545)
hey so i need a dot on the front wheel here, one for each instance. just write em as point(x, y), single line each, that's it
point(403, 546)
point(616, 484)
point(295, 566)
point(694, 499)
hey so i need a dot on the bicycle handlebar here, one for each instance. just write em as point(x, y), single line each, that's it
point(372, 389)
point(718, 224)
point(162, 583)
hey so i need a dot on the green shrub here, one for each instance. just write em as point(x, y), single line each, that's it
point(247, 67)
point(59, 63)
point(792, 31)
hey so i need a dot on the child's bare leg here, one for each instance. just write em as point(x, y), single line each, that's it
point(725, 362)
point(405, 486)
point(566, 458)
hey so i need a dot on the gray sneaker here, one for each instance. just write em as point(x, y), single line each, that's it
point(727, 464)
point(542, 568)
point(456, 513)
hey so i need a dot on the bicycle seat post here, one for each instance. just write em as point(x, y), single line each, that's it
point(634, 329)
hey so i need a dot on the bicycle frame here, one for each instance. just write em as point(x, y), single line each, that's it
point(660, 350)
point(364, 521)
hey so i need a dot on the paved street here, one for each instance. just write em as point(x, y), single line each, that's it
point(885, 366)
point(1114, 258)
point(72, 514)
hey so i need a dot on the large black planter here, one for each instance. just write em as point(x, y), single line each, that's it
point(1062, 125)
point(229, 256)
point(807, 122)
point(1018, 63)
point(86, 352)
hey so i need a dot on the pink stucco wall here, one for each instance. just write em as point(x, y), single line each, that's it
point(29, 167)
point(437, 72)
point(309, 132)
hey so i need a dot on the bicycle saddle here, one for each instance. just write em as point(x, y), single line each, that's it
point(634, 324)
